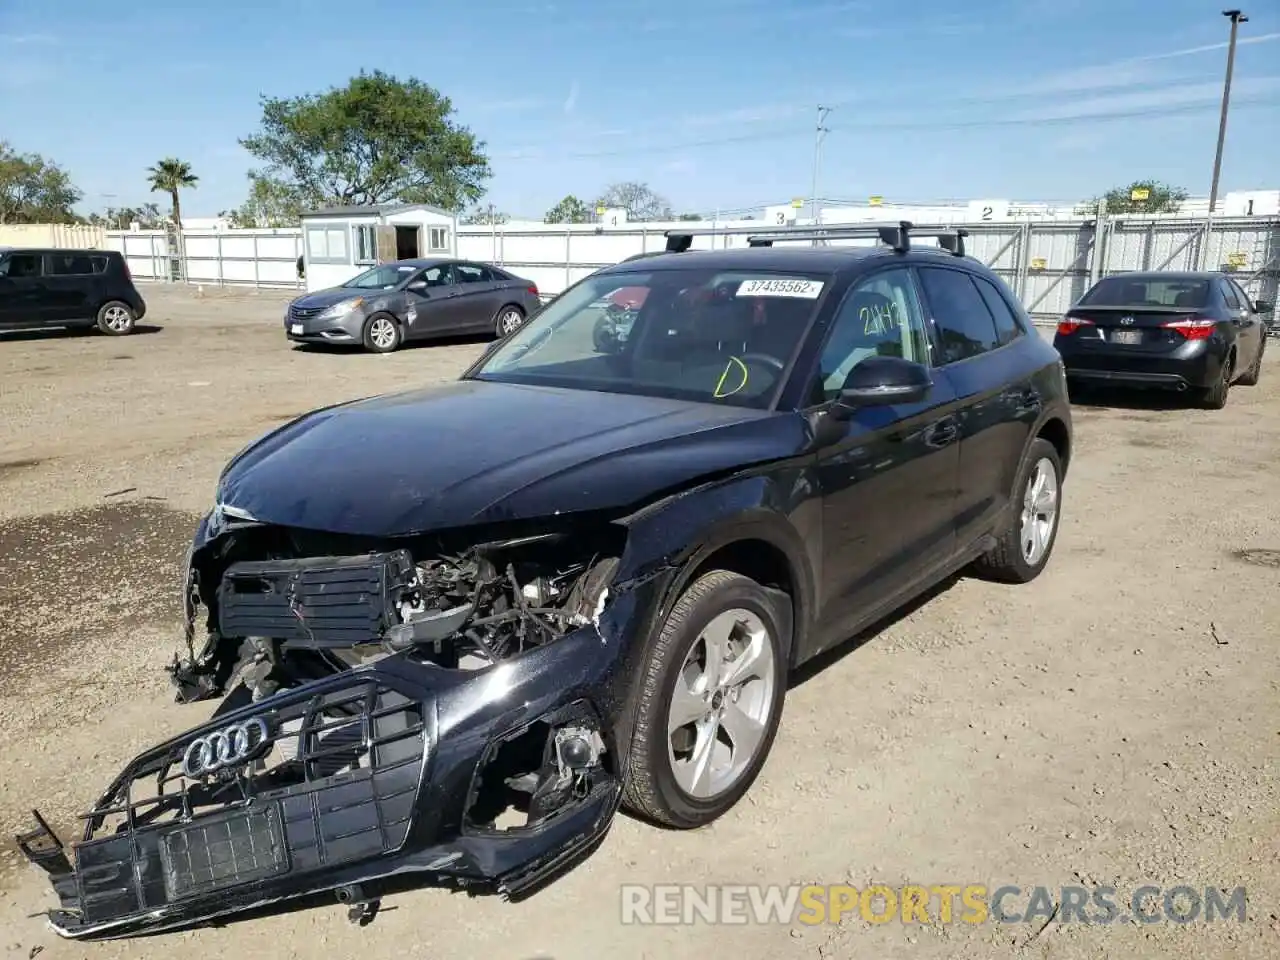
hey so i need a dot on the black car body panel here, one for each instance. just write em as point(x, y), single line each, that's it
point(1158, 342)
point(62, 288)
point(420, 454)
point(429, 298)
point(488, 561)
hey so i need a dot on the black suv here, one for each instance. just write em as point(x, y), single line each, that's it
point(457, 628)
point(68, 288)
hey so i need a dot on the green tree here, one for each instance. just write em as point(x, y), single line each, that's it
point(1161, 198)
point(568, 210)
point(34, 190)
point(379, 139)
point(147, 217)
point(486, 216)
point(171, 176)
point(271, 203)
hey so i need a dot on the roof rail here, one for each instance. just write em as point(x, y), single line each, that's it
point(897, 235)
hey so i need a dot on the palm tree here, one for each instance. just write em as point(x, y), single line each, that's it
point(169, 176)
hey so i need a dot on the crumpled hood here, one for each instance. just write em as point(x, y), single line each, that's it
point(477, 452)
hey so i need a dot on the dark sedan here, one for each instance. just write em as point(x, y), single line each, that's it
point(453, 630)
point(1191, 332)
point(412, 300)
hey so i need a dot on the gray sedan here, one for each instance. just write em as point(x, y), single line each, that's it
point(411, 300)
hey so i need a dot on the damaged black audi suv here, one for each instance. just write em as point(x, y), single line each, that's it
point(451, 632)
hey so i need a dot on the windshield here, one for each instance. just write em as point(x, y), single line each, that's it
point(382, 278)
point(1125, 291)
point(715, 336)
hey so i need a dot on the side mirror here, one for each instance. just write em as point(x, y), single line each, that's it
point(417, 286)
point(1263, 306)
point(883, 382)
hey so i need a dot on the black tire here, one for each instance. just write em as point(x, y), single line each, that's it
point(374, 326)
point(507, 320)
point(1215, 397)
point(116, 318)
point(651, 789)
point(1006, 562)
point(1254, 373)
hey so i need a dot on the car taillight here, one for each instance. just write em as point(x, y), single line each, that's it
point(1193, 328)
point(533, 288)
point(1069, 325)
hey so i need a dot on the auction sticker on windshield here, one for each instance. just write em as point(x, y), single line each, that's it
point(781, 287)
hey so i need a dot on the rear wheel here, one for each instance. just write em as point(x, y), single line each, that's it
point(116, 318)
point(381, 333)
point(1023, 550)
point(1251, 376)
point(710, 699)
point(1215, 396)
point(508, 320)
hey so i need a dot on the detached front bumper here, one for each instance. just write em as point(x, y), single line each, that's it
point(369, 782)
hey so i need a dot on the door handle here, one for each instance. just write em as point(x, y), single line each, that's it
point(941, 433)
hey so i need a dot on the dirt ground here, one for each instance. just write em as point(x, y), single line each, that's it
point(1115, 722)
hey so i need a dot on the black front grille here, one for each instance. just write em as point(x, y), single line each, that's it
point(304, 313)
point(338, 784)
point(315, 602)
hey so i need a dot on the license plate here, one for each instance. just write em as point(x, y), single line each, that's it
point(295, 328)
point(1126, 336)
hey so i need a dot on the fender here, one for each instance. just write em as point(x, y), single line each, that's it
point(676, 535)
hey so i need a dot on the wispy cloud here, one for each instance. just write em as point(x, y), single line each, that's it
point(1206, 48)
point(1178, 95)
point(28, 39)
point(571, 101)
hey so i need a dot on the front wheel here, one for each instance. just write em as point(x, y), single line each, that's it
point(710, 700)
point(116, 319)
point(1023, 550)
point(381, 333)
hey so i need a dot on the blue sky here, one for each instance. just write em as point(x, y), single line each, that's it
point(710, 102)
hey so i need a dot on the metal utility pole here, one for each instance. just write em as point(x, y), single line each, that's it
point(817, 159)
point(1237, 18)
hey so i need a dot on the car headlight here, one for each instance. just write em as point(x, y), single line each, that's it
point(343, 308)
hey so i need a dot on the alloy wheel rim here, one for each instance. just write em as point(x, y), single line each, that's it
point(382, 333)
point(721, 704)
point(510, 320)
point(1039, 511)
point(117, 318)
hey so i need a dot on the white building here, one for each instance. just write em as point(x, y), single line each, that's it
point(340, 242)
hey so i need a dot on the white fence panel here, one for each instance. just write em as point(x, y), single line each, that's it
point(1048, 263)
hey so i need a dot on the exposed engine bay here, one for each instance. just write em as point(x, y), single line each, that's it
point(284, 607)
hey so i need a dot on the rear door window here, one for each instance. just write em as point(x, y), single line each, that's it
point(71, 265)
point(1245, 302)
point(965, 325)
point(1007, 327)
point(20, 265)
point(472, 273)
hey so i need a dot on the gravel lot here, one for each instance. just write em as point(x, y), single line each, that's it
point(1116, 722)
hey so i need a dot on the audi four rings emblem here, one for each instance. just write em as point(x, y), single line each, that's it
point(225, 748)
point(1127, 321)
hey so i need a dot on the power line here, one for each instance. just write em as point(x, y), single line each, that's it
point(791, 133)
